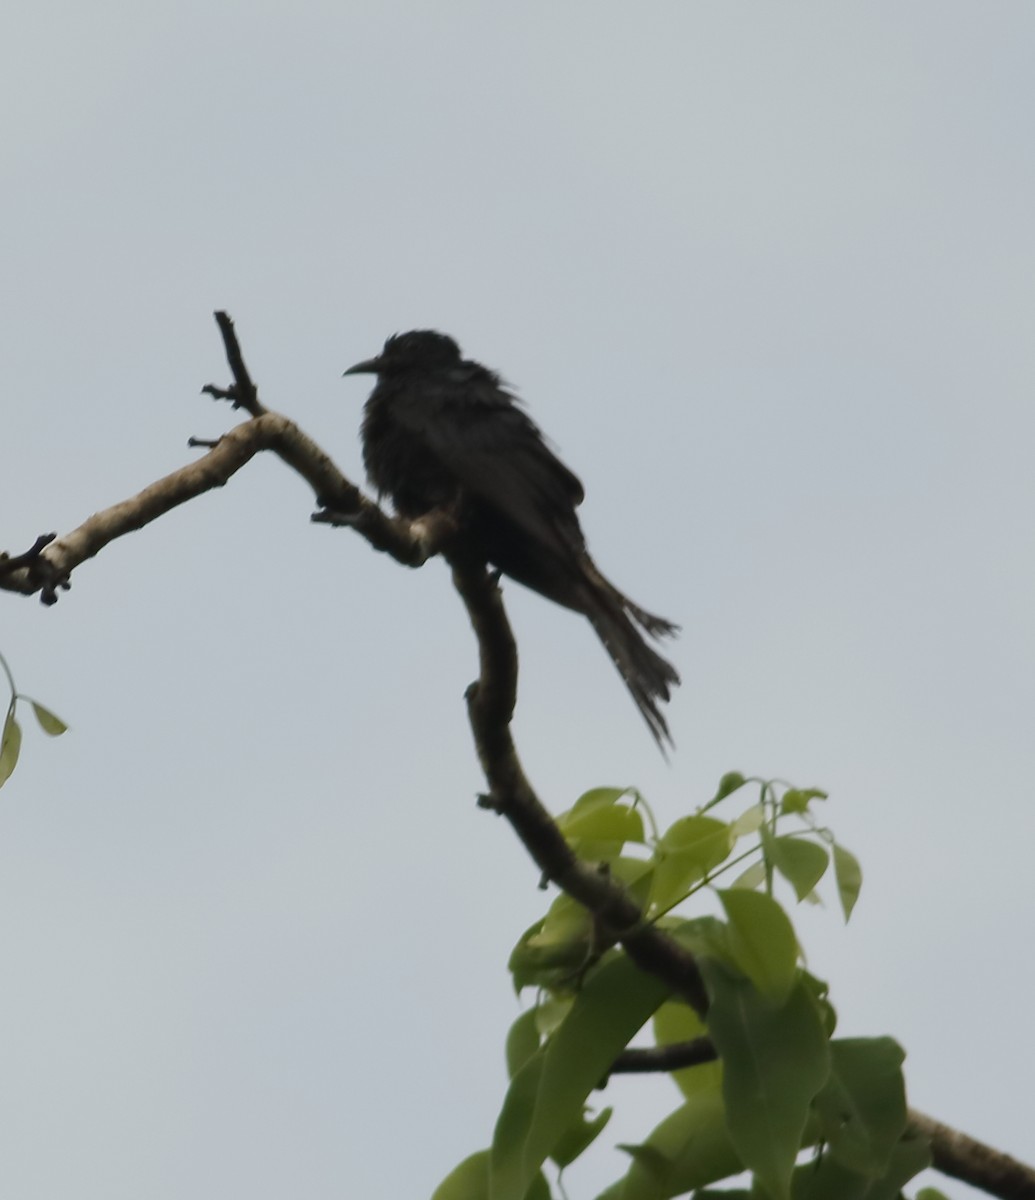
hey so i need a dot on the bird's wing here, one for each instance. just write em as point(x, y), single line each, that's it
point(496, 452)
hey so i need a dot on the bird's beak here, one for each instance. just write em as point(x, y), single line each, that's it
point(370, 366)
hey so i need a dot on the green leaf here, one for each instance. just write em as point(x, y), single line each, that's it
point(819, 990)
point(775, 1058)
point(689, 1149)
point(10, 745)
point(553, 950)
point(578, 1138)
point(749, 821)
point(673, 1023)
point(761, 940)
point(522, 1041)
point(551, 1010)
point(706, 936)
point(597, 816)
point(730, 782)
point(48, 721)
point(685, 854)
point(753, 877)
point(862, 1107)
point(548, 1095)
point(540, 1189)
point(827, 1179)
point(930, 1193)
point(801, 862)
point(596, 798)
point(848, 874)
point(796, 800)
point(468, 1181)
point(637, 875)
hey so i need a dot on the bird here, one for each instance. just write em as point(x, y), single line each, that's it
point(442, 432)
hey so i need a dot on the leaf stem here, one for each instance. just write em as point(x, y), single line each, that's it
point(10, 677)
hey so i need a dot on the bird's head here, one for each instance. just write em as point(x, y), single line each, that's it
point(418, 350)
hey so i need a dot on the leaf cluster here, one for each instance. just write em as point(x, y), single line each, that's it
point(779, 1083)
point(11, 738)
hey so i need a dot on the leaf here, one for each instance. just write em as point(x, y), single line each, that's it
point(819, 990)
point(673, 1023)
point(637, 875)
point(48, 721)
point(761, 941)
point(930, 1193)
point(551, 1010)
point(468, 1181)
point(730, 782)
point(597, 816)
point(579, 1138)
point(827, 1179)
point(540, 1189)
point(548, 1095)
point(801, 862)
point(862, 1107)
point(522, 1041)
point(686, 852)
point(775, 1058)
point(749, 821)
point(796, 800)
point(596, 798)
point(10, 745)
point(848, 874)
point(706, 936)
point(753, 877)
point(689, 1149)
point(598, 826)
point(555, 948)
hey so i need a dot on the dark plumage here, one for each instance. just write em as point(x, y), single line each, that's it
point(442, 431)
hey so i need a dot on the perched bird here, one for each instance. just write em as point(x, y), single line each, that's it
point(442, 432)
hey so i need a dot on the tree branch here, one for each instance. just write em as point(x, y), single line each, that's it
point(49, 564)
point(953, 1153)
point(674, 1057)
point(965, 1158)
point(490, 704)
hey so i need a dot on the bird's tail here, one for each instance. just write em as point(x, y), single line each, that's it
point(649, 677)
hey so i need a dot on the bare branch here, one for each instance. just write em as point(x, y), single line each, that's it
point(242, 393)
point(673, 1057)
point(490, 703)
point(965, 1158)
point(48, 565)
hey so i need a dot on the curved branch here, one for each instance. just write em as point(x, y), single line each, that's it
point(49, 564)
point(491, 700)
point(490, 703)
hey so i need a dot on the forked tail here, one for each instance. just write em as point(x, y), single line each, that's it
point(649, 677)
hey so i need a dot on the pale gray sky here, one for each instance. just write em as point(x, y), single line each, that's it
point(766, 277)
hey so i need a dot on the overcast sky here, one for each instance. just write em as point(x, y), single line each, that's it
point(766, 276)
